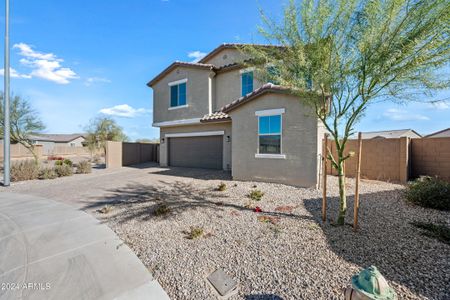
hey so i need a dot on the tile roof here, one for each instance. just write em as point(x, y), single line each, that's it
point(266, 88)
point(233, 46)
point(217, 116)
point(179, 64)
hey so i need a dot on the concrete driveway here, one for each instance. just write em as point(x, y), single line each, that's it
point(50, 250)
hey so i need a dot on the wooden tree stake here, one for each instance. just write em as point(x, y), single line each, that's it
point(324, 177)
point(358, 175)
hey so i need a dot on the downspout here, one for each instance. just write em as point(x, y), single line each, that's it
point(211, 90)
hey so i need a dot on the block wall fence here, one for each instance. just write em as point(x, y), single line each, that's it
point(398, 160)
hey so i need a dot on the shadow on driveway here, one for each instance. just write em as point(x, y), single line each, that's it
point(139, 201)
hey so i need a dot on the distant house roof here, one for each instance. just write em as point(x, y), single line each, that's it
point(390, 134)
point(57, 138)
point(440, 133)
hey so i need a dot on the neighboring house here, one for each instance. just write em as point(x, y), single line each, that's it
point(50, 141)
point(390, 134)
point(438, 134)
point(215, 114)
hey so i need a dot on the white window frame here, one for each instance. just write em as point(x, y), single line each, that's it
point(177, 82)
point(267, 113)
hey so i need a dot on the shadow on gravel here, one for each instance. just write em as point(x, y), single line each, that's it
point(387, 240)
point(262, 297)
point(144, 202)
point(197, 173)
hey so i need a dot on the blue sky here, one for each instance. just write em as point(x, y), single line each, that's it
point(74, 60)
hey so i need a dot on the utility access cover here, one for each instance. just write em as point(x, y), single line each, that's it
point(224, 284)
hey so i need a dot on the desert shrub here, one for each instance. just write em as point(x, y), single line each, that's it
point(68, 162)
point(194, 233)
point(105, 209)
point(256, 195)
point(47, 173)
point(161, 210)
point(24, 170)
point(84, 167)
point(429, 192)
point(221, 187)
point(58, 162)
point(440, 232)
point(97, 159)
point(63, 170)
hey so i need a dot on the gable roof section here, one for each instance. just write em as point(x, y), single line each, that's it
point(179, 64)
point(232, 46)
point(265, 89)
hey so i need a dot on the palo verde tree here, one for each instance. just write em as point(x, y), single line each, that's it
point(24, 121)
point(103, 129)
point(339, 56)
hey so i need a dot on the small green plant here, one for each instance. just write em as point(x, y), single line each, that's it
point(97, 159)
point(222, 187)
point(429, 192)
point(68, 162)
point(105, 209)
point(59, 162)
point(440, 232)
point(47, 173)
point(24, 170)
point(161, 210)
point(256, 195)
point(84, 167)
point(63, 170)
point(194, 233)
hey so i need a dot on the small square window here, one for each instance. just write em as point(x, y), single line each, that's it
point(178, 95)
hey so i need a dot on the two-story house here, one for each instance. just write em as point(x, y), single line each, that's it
point(215, 114)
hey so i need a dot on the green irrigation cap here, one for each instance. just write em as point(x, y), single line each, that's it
point(373, 285)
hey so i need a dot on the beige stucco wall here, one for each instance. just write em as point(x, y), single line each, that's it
point(228, 88)
point(197, 95)
point(226, 127)
point(225, 57)
point(299, 143)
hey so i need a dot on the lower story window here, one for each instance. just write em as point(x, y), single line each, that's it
point(269, 134)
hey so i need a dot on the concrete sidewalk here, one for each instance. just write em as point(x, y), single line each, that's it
point(49, 250)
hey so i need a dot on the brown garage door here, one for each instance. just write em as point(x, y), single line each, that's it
point(196, 152)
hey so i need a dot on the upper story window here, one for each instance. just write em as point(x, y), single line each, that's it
point(270, 133)
point(246, 82)
point(178, 93)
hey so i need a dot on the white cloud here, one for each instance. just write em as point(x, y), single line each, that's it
point(91, 80)
point(196, 55)
point(14, 74)
point(45, 65)
point(395, 114)
point(439, 105)
point(124, 110)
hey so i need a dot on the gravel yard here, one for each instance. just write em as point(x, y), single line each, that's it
point(288, 254)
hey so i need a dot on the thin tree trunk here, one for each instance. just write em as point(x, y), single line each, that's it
point(342, 195)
